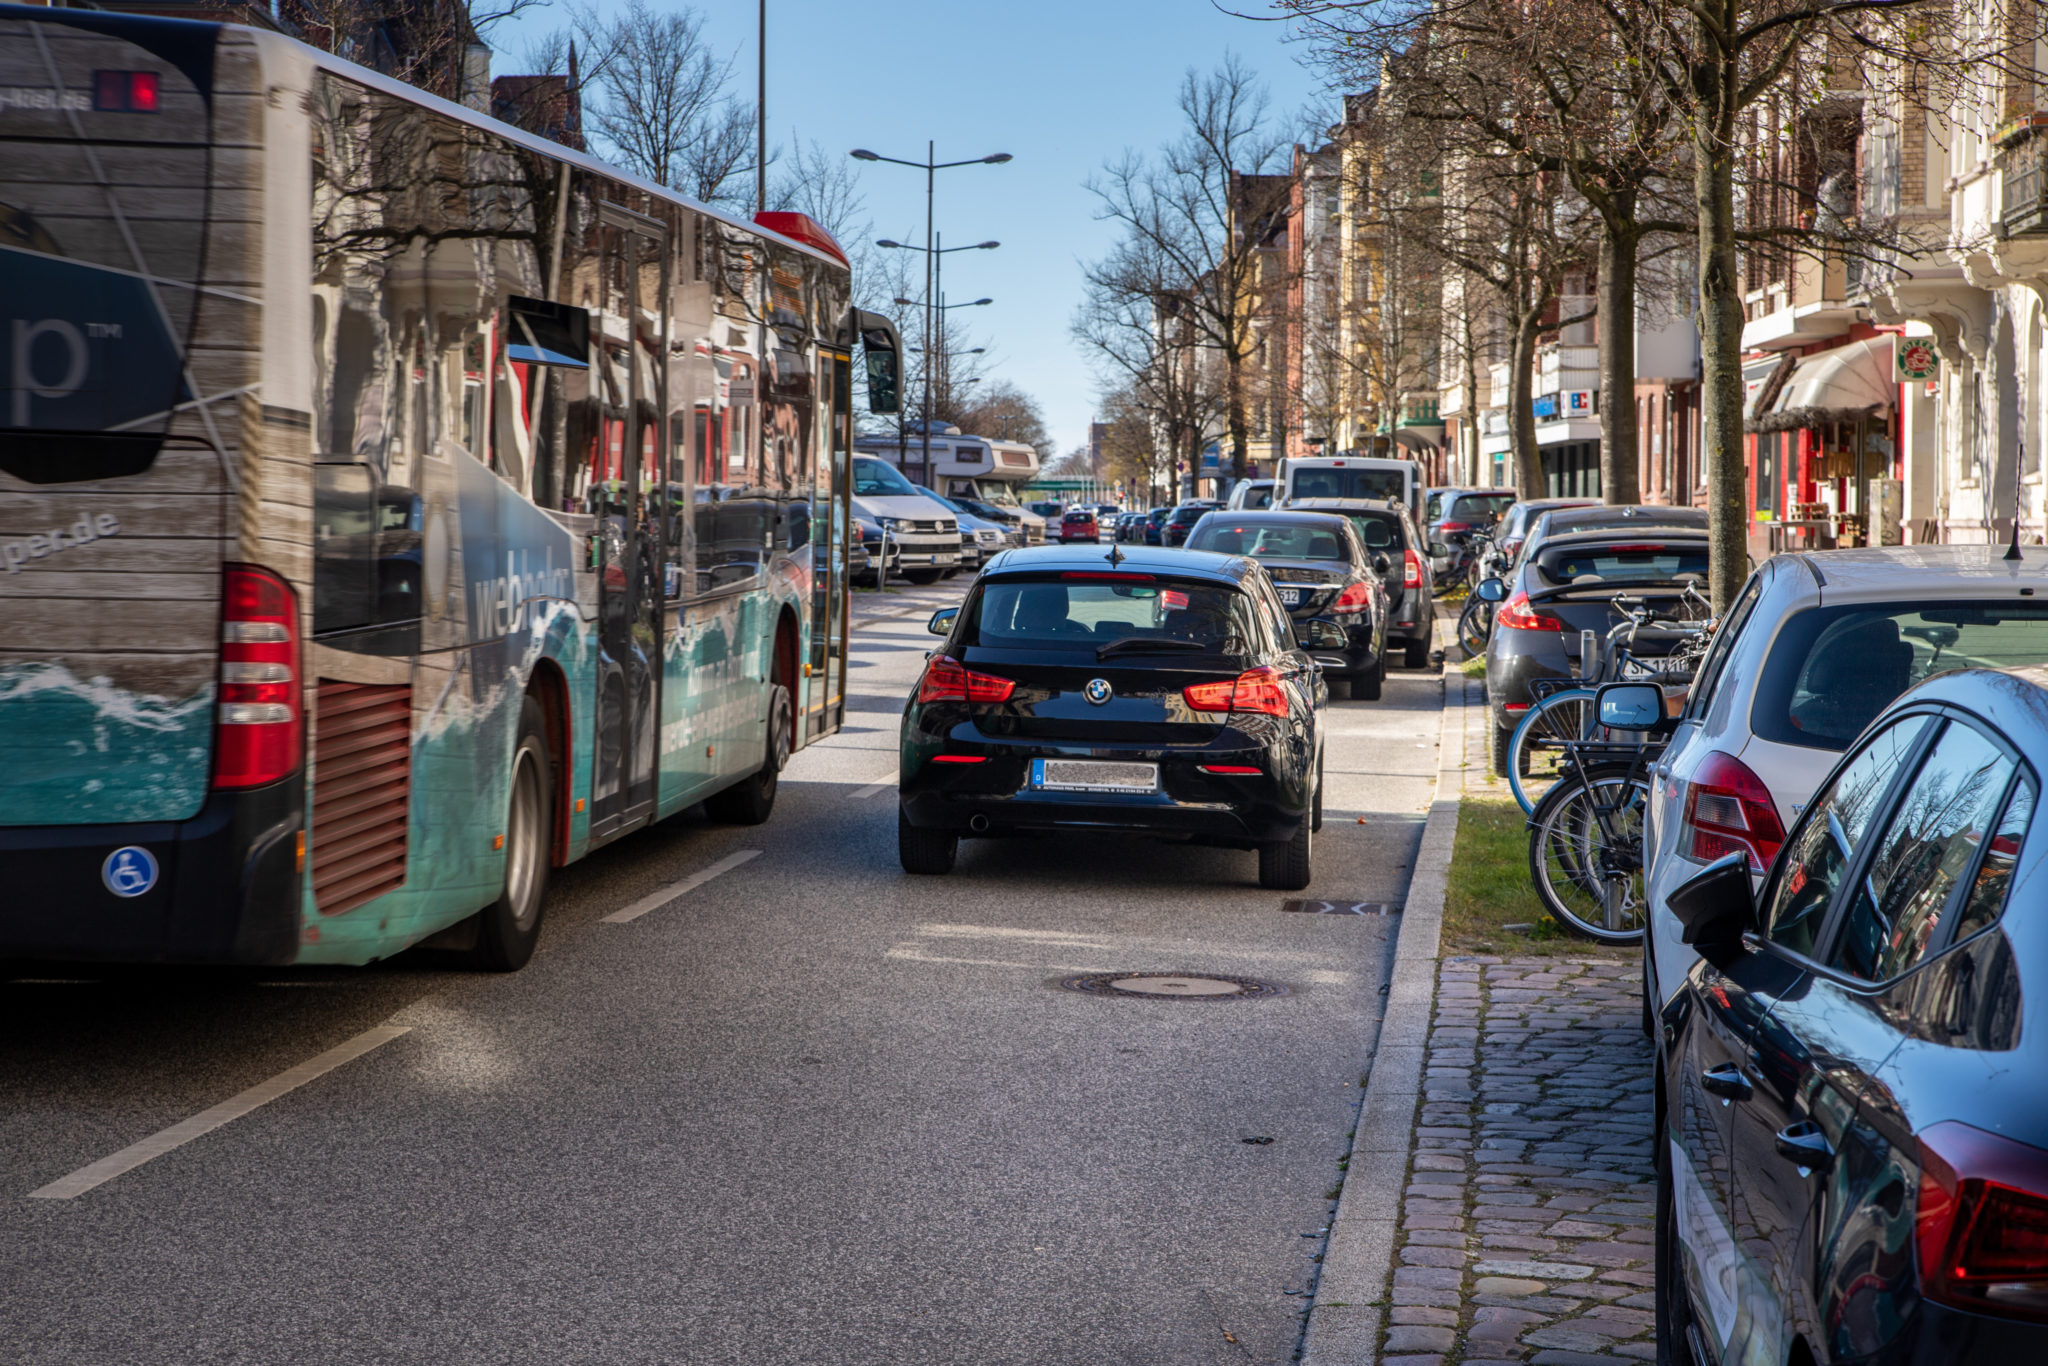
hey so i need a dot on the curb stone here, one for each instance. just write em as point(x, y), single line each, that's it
point(1349, 1308)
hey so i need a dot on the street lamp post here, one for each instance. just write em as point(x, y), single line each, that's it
point(932, 309)
point(931, 166)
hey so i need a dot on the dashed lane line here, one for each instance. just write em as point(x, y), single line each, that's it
point(206, 1121)
point(862, 793)
point(656, 900)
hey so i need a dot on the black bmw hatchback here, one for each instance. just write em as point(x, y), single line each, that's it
point(1158, 692)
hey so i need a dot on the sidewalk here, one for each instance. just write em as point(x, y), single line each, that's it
point(1500, 1196)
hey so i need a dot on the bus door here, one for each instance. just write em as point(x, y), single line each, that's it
point(824, 702)
point(628, 498)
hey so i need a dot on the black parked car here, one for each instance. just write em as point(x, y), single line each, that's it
point(1162, 694)
point(1567, 585)
point(1852, 1137)
point(1174, 530)
point(1398, 553)
point(1326, 581)
point(1540, 526)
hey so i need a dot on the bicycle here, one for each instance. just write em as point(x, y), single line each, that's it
point(1586, 842)
point(1562, 711)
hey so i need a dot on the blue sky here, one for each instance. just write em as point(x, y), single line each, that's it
point(1062, 85)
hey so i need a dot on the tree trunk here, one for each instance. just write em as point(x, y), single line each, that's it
point(1620, 468)
point(1471, 471)
point(1529, 480)
point(1240, 424)
point(1720, 319)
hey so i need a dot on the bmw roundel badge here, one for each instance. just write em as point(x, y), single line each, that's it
point(1098, 691)
point(129, 871)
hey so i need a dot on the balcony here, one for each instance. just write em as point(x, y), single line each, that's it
point(2022, 209)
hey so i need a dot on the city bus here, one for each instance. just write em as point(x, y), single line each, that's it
point(394, 505)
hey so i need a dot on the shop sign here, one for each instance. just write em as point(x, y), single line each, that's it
point(1915, 358)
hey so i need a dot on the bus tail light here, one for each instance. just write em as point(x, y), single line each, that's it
point(1980, 1230)
point(1254, 690)
point(259, 737)
point(947, 680)
point(1517, 615)
point(1411, 577)
point(1727, 807)
point(1356, 598)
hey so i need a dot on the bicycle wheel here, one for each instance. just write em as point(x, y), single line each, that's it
point(1537, 746)
point(1475, 624)
point(1586, 855)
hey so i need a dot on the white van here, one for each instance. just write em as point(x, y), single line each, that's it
point(927, 532)
point(1356, 476)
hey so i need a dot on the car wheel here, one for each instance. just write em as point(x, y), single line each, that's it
point(924, 851)
point(751, 800)
point(1340, 686)
point(509, 927)
point(1416, 656)
point(1366, 686)
point(1497, 751)
point(1673, 1309)
point(1283, 867)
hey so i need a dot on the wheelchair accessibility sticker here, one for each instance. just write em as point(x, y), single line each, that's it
point(129, 871)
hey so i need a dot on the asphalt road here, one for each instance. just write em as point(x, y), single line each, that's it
point(811, 1111)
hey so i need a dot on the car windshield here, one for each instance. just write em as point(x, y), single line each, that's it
point(873, 479)
point(1191, 512)
point(951, 505)
point(1833, 669)
point(1349, 483)
point(1088, 612)
point(1479, 507)
point(1273, 540)
point(1379, 531)
point(1622, 561)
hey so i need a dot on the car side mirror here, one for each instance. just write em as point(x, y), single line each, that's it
point(1715, 906)
point(1439, 548)
point(1491, 590)
point(941, 623)
point(1324, 635)
point(1630, 706)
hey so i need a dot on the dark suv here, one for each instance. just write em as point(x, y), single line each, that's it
point(1389, 532)
point(1174, 530)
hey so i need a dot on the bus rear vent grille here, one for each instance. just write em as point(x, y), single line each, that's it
point(362, 784)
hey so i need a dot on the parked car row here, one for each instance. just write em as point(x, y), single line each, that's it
point(1842, 958)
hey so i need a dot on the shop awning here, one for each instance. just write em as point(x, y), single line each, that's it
point(1839, 385)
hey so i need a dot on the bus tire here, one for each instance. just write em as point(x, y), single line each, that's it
point(751, 800)
point(509, 927)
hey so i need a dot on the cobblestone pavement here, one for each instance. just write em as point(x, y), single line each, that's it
point(1526, 1228)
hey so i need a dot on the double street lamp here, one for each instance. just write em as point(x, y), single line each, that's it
point(931, 166)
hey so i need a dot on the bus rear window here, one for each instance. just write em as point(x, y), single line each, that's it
point(1630, 562)
point(1833, 669)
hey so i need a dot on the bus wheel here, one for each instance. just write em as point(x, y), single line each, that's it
point(509, 927)
point(751, 800)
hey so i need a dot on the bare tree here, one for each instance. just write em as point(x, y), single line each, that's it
point(1207, 207)
point(1002, 410)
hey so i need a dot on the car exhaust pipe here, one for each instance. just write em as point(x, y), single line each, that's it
point(978, 824)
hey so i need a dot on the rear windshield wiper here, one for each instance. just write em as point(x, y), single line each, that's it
point(1131, 645)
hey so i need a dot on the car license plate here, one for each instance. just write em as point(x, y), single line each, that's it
point(1090, 775)
point(1631, 668)
point(1290, 597)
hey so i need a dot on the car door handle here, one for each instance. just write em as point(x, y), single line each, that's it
point(1727, 1082)
point(1804, 1144)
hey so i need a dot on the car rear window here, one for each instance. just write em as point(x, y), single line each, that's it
point(1348, 483)
point(1622, 561)
point(1833, 669)
point(1080, 516)
point(1058, 614)
point(1479, 507)
point(1270, 540)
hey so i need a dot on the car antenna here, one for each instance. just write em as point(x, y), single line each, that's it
point(2019, 496)
point(1115, 555)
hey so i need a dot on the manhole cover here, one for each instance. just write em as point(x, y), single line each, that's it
point(1341, 907)
point(1170, 986)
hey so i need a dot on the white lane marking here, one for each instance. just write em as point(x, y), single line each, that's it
point(860, 794)
point(655, 901)
point(912, 953)
point(206, 1121)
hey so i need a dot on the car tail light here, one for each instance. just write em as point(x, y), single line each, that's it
point(947, 680)
point(1454, 527)
point(1231, 770)
point(1511, 548)
point(1254, 690)
point(1728, 808)
point(1411, 577)
point(1356, 598)
point(1980, 1230)
point(1517, 615)
point(258, 737)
